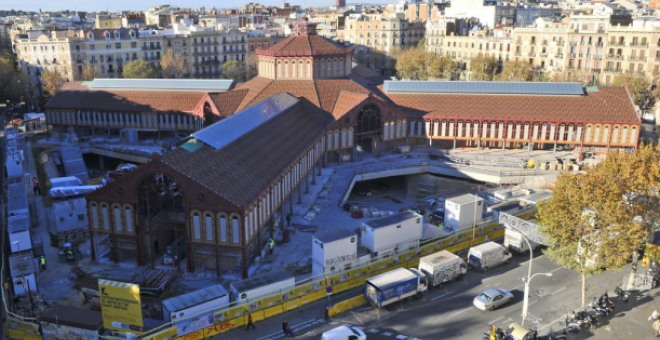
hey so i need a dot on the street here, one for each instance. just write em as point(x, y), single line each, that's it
point(447, 312)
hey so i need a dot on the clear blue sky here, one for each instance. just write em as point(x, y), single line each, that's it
point(115, 5)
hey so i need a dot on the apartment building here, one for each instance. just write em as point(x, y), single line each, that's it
point(37, 51)
point(584, 47)
point(377, 32)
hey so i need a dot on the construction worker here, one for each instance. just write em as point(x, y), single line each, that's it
point(42, 263)
point(271, 245)
point(35, 186)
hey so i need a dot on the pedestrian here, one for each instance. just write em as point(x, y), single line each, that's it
point(250, 323)
point(288, 220)
point(655, 315)
point(271, 245)
point(42, 263)
point(285, 327)
point(35, 186)
point(656, 328)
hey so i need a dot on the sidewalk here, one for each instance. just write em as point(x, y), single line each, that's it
point(631, 319)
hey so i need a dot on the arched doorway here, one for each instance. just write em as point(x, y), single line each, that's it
point(209, 117)
point(369, 128)
point(161, 214)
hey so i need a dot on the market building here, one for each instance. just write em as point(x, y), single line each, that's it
point(224, 186)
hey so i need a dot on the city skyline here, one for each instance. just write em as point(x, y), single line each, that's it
point(119, 5)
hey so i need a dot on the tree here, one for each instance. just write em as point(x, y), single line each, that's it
point(592, 222)
point(516, 71)
point(90, 72)
point(483, 67)
point(139, 68)
point(52, 81)
point(440, 66)
point(174, 65)
point(637, 85)
point(233, 69)
point(251, 66)
point(411, 64)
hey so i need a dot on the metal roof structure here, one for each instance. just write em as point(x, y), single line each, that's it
point(484, 87)
point(195, 298)
point(334, 235)
point(226, 131)
point(18, 223)
point(383, 281)
point(261, 280)
point(464, 199)
point(392, 219)
point(17, 203)
point(21, 265)
point(211, 85)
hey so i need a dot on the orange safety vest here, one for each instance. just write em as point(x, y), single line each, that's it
point(35, 181)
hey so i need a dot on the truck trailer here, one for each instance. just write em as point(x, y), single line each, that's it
point(441, 267)
point(396, 285)
point(488, 255)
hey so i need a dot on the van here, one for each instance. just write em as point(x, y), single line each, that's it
point(488, 255)
point(344, 333)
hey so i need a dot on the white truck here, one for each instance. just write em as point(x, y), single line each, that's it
point(396, 285)
point(488, 255)
point(514, 241)
point(442, 267)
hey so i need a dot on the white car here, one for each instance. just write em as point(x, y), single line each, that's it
point(344, 333)
point(492, 298)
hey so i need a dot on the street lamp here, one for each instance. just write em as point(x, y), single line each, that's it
point(526, 298)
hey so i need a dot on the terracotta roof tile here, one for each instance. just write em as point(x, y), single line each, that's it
point(346, 101)
point(606, 105)
point(240, 171)
point(227, 102)
point(75, 95)
point(368, 74)
point(328, 90)
point(307, 45)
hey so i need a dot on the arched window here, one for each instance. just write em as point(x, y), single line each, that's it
point(344, 138)
point(336, 139)
point(128, 216)
point(286, 69)
point(350, 136)
point(597, 138)
point(208, 227)
point(301, 71)
point(105, 216)
point(615, 135)
point(235, 232)
point(197, 227)
point(309, 69)
point(633, 135)
point(624, 135)
point(117, 219)
point(329, 140)
point(95, 216)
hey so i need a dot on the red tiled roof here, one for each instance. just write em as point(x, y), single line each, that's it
point(346, 101)
point(612, 105)
point(227, 102)
point(322, 92)
point(240, 171)
point(74, 95)
point(305, 46)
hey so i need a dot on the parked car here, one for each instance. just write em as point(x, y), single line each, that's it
point(492, 298)
point(344, 333)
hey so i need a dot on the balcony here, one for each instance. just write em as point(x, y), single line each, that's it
point(596, 70)
point(615, 57)
point(598, 57)
point(560, 55)
point(573, 43)
point(544, 43)
point(599, 43)
point(531, 54)
point(571, 55)
point(518, 54)
point(613, 70)
point(637, 58)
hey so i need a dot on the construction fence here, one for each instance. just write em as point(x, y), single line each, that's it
point(305, 293)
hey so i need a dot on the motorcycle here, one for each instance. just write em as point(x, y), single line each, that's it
point(621, 294)
point(552, 336)
point(571, 323)
point(599, 309)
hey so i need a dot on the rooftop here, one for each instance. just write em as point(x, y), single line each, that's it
point(305, 42)
point(334, 235)
point(261, 280)
point(392, 219)
point(74, 317)
point(195, 298)
point(464, 199)
point(212, 85)
point(484, 87)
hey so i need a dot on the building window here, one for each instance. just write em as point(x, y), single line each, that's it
point(234, 229)
point(208, 227)
point(197, 228)
point(128, 215)
point(118, 225)
point(95, 216)
point(222, 225)
point(106, 217)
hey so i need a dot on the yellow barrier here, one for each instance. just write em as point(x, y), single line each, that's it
point(309, 298)
point(406, 256)
point(231, 313)
point(291, 304)
point(269, 301)
point(257, 316)
point(22, 330)
point(193, 336)
point(168, 333)
point(357, 301)
point(302, 290)
point(225, 326)
point(339, 307)
point(358, 282)
point(341, 287)
point(272, 311)
point(412, 263)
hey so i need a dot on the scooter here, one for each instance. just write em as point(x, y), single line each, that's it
point(621, 294)
point(572, 325)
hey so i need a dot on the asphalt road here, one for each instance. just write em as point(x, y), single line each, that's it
point(447, 312)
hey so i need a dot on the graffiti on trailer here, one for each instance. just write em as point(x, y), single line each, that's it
point(340, 259)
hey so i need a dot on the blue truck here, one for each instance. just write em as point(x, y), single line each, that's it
point(396, 285)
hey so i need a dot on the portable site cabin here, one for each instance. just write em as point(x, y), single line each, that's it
point(22, 271)
point(399, 232)
point(333, 251)
point(18, 228)
point(260, 286)
point(462, 211)
point(63, 322)
point(194, 311)
point(17, 203)
point(14, 163)
point(69, 215)
point(69, 181)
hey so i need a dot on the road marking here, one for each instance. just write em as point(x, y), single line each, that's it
point(373, 331)
point(387, 334)
point(552, 322)
point(554, 270)
point(459, 312)
point(558, 290)
point(532, 303)
point(297, 327)
point(401, 337)
point(441, 296)
point(496, 320)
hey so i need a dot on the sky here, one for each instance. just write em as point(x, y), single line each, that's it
point(116, 5)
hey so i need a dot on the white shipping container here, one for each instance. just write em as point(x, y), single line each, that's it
point(463, 211)
point(18, 228)
point(182, 307)
point(260, 286)
point(70, 181)
point(14, 164)
point(334, 249)
point(383, 235)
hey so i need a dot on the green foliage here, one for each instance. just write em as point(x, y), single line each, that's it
point(483, 67)
point(52, 81)
point(418, 64)
point(233, 69)
point(516, 71)
point(603, 215)
point(637, 85)
point(139, 68)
